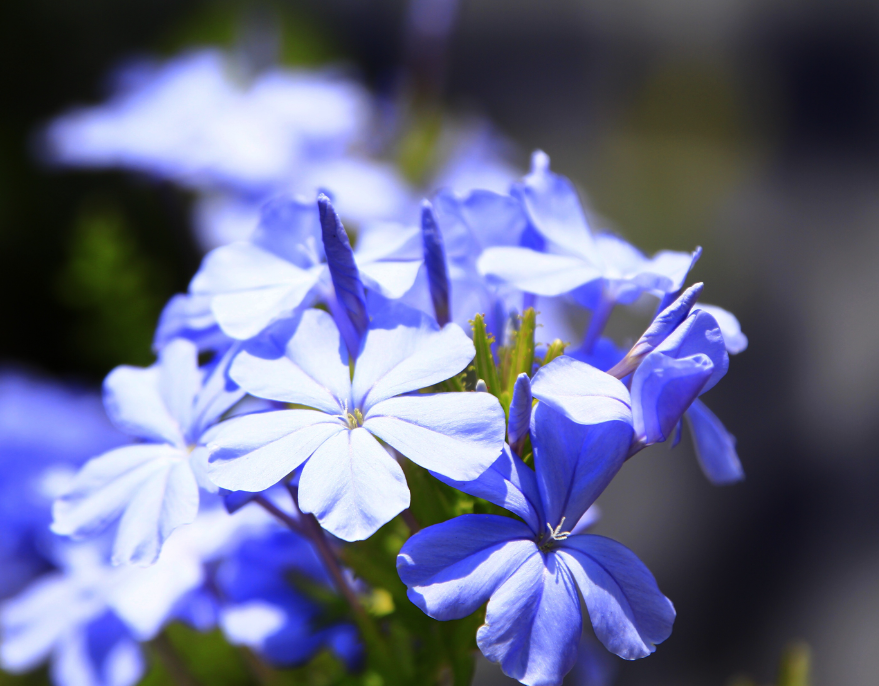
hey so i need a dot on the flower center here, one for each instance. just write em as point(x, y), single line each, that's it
point(354, 420)
point(548, 539)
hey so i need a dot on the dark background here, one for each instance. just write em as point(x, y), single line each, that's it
point(749, 128)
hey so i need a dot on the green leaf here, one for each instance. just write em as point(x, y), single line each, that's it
point(796, 666)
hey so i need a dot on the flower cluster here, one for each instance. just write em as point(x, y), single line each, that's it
point(317, 392)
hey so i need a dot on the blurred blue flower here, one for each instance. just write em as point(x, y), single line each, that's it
point(47, 431)
point(263, 609)
point(529, 570)
point(152, 487)
point(348, 480)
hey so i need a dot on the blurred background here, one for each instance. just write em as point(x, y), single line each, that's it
point(750, 128)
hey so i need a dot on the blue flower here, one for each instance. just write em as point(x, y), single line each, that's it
point(36, 463)
point(283, 267)
point(529, 570)
point(263, 610)
point(601, 270)
point(348, 480)
point(152, 487)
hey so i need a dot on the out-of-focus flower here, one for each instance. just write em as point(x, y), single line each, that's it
point(348, 480)
point(263, 609)
point(151, 487)
point(529, 570)
point(47, 431)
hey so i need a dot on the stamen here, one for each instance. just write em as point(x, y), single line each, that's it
point(557, 534)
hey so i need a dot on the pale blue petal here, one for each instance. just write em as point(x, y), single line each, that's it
point(628, 612)
point(452, 568)
point(552, 205)
point(179, 380)
point(189, 316)
point(536, 272)
point(289, 227)
point(494, 218)
point(582, 392)
point(715, 446)
point(353, 486)
point(733, 337)
point(313, 370)
point(251, 287)
point(666, 271)
point(405, 350)
point(520, 410)
point(458, 435)
point(589, 519)
point(106, 485)
point(662, 390)
point(168, 499)
point(255, 451)
point(134, 403)
point(391, 278)
point(533, 623)
point(510, 483)
point(218, 394)
point(574, 462)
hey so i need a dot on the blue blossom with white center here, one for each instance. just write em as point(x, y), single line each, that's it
point(151, 487)
point(283, 267)
point(529, 571)
point(348, 480)
point(36, 463)
point(599, 270)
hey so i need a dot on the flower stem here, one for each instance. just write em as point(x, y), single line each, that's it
point(411, 522)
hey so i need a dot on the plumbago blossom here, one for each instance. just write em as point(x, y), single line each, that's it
point(383, 397)
point(151, 487)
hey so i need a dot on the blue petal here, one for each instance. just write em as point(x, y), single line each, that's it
point(660, 328)
point(166, 501)
point(536, 272)
point(583, 393)
point(715, 446)
point(313, 370)
point(510, 483)
point(520, 411)
point(492, 219)
point(405, 350)
point(533, 623)
point(458, 435)
point(390, 277)
point(628, 612)
point(135, 404)
point(109, 484)
point(554, 209)
point(698, 334)
point(574, 462)
point(179, 380)
point(100, 654)
point(343, 268)
point(435, 262)
point(453, 567)
point(217, 396)
point(289, 227)
point(256, 451)
point(352, 486)
point(733, 337)
point(251, 287)
point(662, 390)
point(189, 316)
